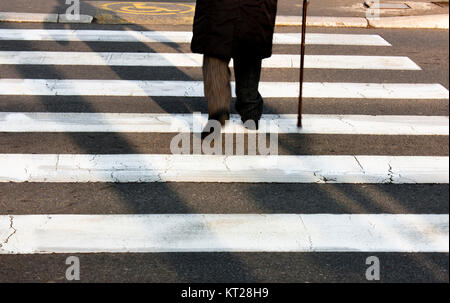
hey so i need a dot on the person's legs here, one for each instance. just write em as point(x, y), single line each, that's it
point(249, 103)
point(216, 78)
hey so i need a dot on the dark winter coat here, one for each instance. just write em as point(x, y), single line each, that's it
point(230, 28)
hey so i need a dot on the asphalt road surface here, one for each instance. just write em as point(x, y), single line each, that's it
point(426, 48)
point(335, 8)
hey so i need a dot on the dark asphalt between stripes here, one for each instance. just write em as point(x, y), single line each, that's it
point(186, 198)
point(159, 143)
point(228, 267)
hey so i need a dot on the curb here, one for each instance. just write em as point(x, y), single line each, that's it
point(26, 17)
point(428, 21)
point(42, 18)
point(322, 21)
point(63, 18)
point(416, 22)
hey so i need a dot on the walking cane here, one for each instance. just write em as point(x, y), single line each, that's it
point(302, 63)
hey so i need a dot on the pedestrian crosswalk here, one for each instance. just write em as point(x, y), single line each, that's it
point(199, 232)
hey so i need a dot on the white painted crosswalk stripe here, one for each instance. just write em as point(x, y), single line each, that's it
point(195, 60)
point(175, 37)
point(43, 234)
point(174, 123)
point(220, 168)
point(53, 87)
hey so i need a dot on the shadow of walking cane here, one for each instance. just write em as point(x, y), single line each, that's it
point(302, 63)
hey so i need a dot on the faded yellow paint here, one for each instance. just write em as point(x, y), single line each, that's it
point(149, 8)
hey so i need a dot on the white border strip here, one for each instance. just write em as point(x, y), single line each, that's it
point(322, 21)
point(195, 60)
point(134, 88)
point(220, 168)
point(175, 37)
point(44, 234)
point(175, 123)
point(28, 17)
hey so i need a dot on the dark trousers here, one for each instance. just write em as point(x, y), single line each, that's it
point(216, 77)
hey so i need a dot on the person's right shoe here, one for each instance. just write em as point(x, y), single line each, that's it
point(250, 111)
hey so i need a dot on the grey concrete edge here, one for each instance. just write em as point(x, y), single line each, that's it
point(322, 21)
point(27, 17)
point(63, 18)
point(427, 21)
point(423, 22)
point(43, 18)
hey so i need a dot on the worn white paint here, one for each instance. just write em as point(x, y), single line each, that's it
point(322, 21)
point(221, 168)
point(28, 17)
point(43, 234)
point(63, 18)
point(53, 87)
point(175, 123)
point(195, 60)
point(175, 37)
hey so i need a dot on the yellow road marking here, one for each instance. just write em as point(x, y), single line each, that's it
point(149, 8)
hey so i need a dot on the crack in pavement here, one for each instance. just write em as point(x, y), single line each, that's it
point(357, 161)
point(225, 159)
point(307, 233)
point(11, 226)
point(342, 119)
point(57, 162)
point(390, 174)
